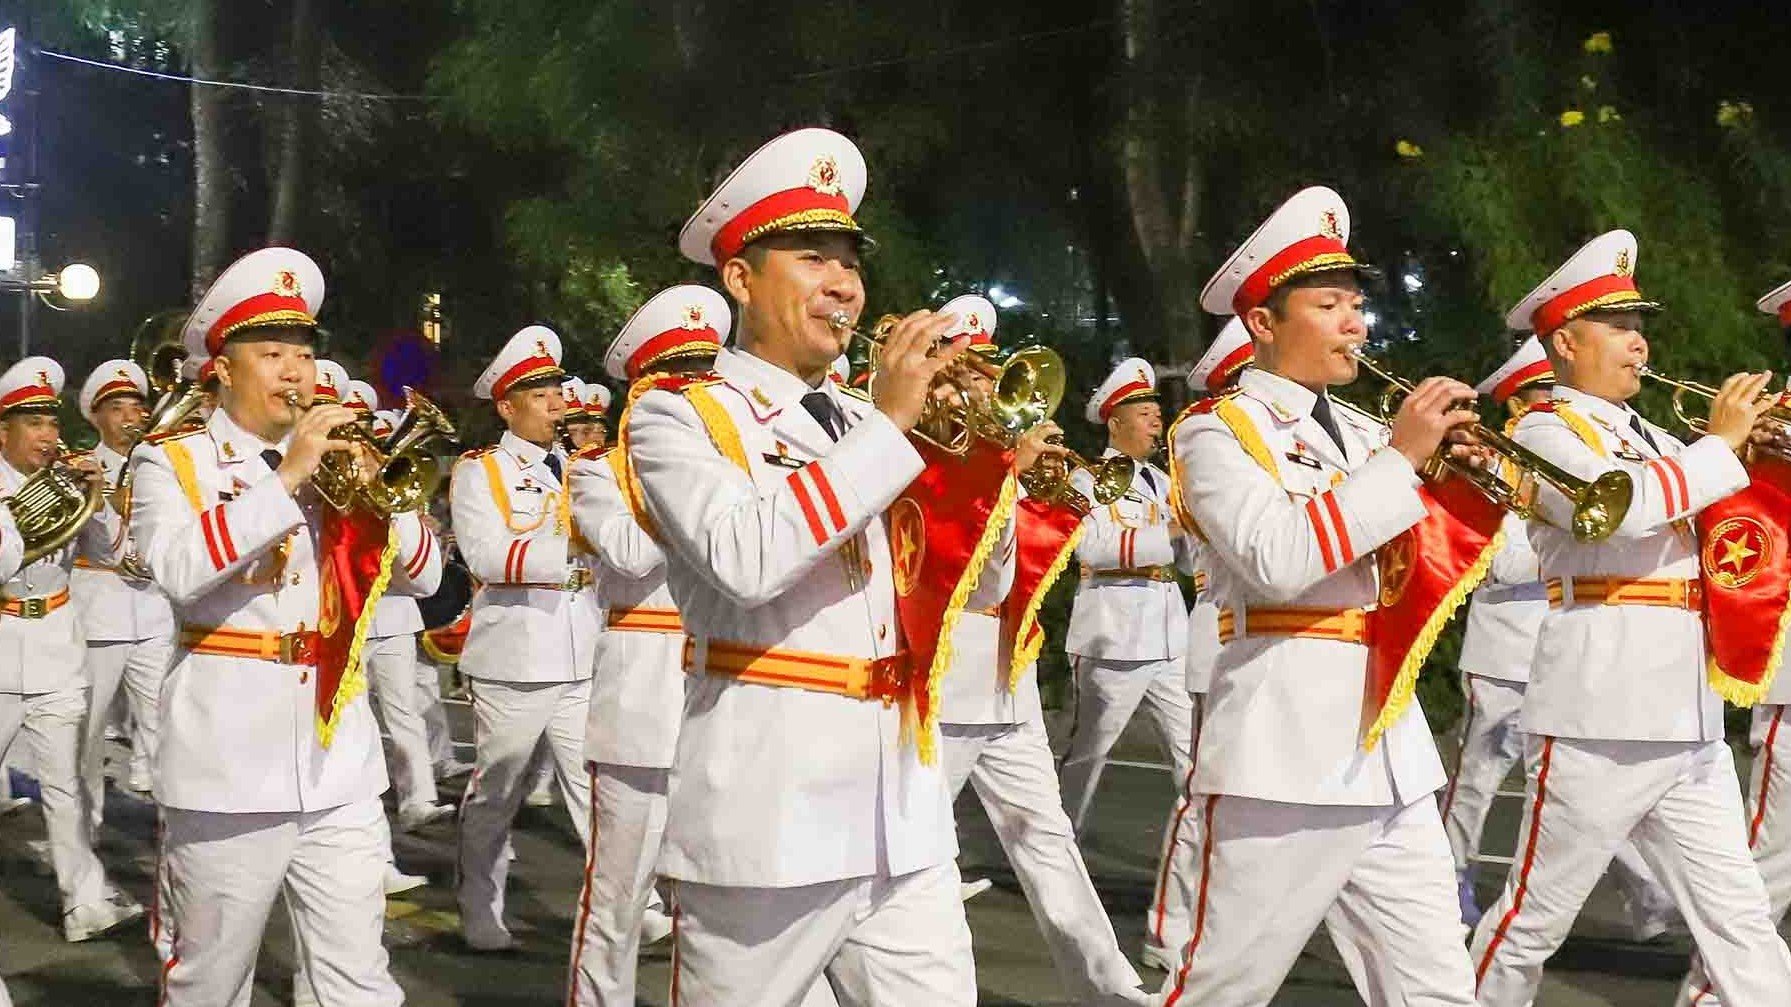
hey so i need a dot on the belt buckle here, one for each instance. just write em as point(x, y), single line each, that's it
point(34, 608)
point(886, 680)
point(297, 648)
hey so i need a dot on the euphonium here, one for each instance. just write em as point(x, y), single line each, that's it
point(405, 472)
point(1599, 505)
point(1779, 414)
point(53, 504)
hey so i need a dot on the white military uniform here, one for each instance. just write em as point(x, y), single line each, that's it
point(637, 692)
point(530, 649)
point(1769, 785)
point(125, 619)
point(43, 691)
point(254, 805)
point(1625, 734)
point(12, 549)
point(1283, 777)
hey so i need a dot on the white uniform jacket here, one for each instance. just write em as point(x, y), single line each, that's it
point(775, 786)
point(974, 690)
point(37, 655)
point(1283, 717)
point(395, 615)
point(1203, 619)
point(12, 547)
point(1117, 617)
point(534, 621)
point(240, 734)
point(1624, 672)
point(1506, 612)
point(114, 607)
point(637, 693)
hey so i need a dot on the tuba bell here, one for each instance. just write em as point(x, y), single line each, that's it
point(54, 503)
point(1599, 505)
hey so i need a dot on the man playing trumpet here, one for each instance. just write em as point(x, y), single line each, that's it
point(1624, 730)
point(269, 770)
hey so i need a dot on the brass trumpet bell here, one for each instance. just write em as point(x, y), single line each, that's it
point(406, 473)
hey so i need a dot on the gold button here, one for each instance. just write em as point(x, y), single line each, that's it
point(295, 578)
point(304, 676)
point(868, 568)
point(882, 631)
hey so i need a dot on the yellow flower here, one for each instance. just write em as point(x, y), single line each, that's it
point(1598, 42)
point(1572, 117)
point(1730, 115)
point(1608, 114)
point(1408, 150)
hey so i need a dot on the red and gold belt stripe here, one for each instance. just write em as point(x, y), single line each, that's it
point(643, 619)
point(1345, 625)
point(884, 678)
point(1157, 573)
point(35, 608)
point(83, 563)
point(258, 644)
point(1658, 592)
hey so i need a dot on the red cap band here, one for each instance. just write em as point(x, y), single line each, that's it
point(1521, 378)
point(1228, 368)
point(262, 309)
point(1570, 304)
point(776, 212)
point(29, 395)
point(670, 341)
point(1294, 260)
point(1785, 313)
point(117, 386)
point(528, 367)
point(1122, 393)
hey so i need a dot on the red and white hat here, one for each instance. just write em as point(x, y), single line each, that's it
point(597, 399)
point(1527, 367)
point(574, 391)
point(976, 319)
point(332, 383)
point(682, 321)
point(1778, 303)
point(1132, 381)
point(34, 384)
point(1307, 234)
point(532, 353)
point(110, 380)
point(1599, 277)
point(384, 422)
point(362, 398)
point(806, 180)
point(1217, 369)
point(272, 286)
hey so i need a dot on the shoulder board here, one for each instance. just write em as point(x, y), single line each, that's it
point(589, 452)
point(173, 435)
point(681, 383)
point(1208, 404)
point(857, 393)
point(1547, 406)
point(477, 452)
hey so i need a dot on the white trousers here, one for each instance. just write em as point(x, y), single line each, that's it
point(877, 941)
point(435, 714)
point(1768, 832)
point(509, 719)
point(1169, 922)
point(1681, 804)
point(627, 825)
point(226, 870)
point(139, 666)
point(392, 670)
point(1107, 694)
point(1271, 872)
point(1010, 766)
point(50, 724)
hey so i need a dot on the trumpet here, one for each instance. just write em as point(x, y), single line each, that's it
point(1779, 414)
point(1049, 480)
point(1026, 390)
point(405, 472)
point(1599, 505)
point(54, 503)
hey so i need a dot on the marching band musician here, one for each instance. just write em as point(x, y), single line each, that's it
point(992, 730)
point(535, 623)
point(269, 772)
point(637, 692)
point(126, 619)
point(1624, 733)
point(1292, 495)
point(597, 403)
point(580, 428)
point(806, 832)
point(12, 550)
point(1769, 786)
point(43, 692)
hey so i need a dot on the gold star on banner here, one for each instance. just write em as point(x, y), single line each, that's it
point(1736, 552)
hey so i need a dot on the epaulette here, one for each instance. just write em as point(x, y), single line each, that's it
point(857, 393)
point(1208, 404)
point(590, 452)
point(175, 434)
point(683, 382)
point(478, 452)
point(1545, 406)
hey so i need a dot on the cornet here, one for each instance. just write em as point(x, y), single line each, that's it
point(1778, 415)
point(1599, 505)
point(405, 472)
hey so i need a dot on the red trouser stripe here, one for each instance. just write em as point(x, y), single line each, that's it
point(1523, 877)
point(1772, 736)
point(584, 897)
point(1206, 872)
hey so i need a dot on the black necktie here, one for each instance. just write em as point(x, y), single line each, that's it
point(821, 408)
point(272, 457)
point(1635, 423)
point(1321, 411)
point(1149, 480)
point(553, 463)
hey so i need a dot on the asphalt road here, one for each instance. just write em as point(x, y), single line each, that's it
point(1598, 966)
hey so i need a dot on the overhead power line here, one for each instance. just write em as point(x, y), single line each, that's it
point(237, 84)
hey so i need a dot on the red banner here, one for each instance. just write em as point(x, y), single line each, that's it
point(443, 644)
point(941, 531)
point(1425, 574)
point(1045, 537)
point(354, 566)
point(1746, 569)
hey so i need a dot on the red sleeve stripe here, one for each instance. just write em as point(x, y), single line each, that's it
point(415, 567)
point(211, 542)
point(1318, 531)
point(522, 558)
point(1678, 471)
point(1672, 484)
point(815, 528)
point(224, 534)
point(1337, 525)
point(1129, 542)
point(510, 563)
point(832, 503)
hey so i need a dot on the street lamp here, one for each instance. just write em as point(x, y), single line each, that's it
point(77, 283)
